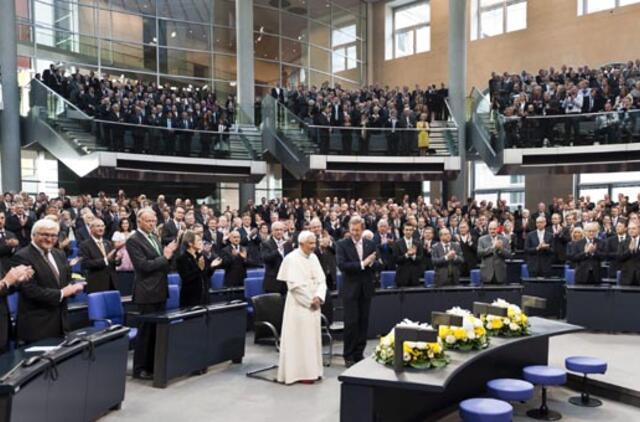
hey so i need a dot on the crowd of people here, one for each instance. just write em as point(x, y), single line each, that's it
point(400, 115)
point(542, 109)
point(121, 104)
point(152, 237)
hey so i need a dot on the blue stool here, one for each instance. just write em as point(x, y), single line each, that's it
point(475, 278)
point(544, 376)
point(485, 410)
point(585, 365)
point(510, 389)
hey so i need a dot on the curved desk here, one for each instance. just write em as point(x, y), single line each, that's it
point(390, 306)
point(371, 392)
point(604, 307)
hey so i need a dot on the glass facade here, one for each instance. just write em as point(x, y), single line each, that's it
point(489, 187)
point(597, 185)
point(193, 42)
point(309, 42)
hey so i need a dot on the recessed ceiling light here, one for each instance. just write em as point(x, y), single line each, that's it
point(173, 34)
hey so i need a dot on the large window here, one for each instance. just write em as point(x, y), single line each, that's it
point(592, 6)
point(596, 185)
point(495, 17)
point(489, 187)
point(411, 31)
point(345, 48)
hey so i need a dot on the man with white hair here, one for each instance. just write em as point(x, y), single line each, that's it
point(301, 340)
point(273, 252)
point(588, 253)
point(42, 304)
point(493, 249)
point(539, 249)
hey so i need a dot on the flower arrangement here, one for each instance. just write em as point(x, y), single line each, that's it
point(515, 324)
point(471, 336)
point(419, 355)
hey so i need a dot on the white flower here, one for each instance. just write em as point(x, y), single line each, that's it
point(488, 325)
point(430, 354)
point(406, 356)
point(386, 341)
point(450, 339)
point(514, 327)
point(477, 322)
point(501, 303)
point(456, 310)
point(471, 335)
point(421, 345)
point(506, 321)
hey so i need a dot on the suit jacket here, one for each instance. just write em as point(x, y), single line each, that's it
point(150, 270)
point(585, 263)
point(327, 258)
point(41, 313)
point(629, 263)
point(195, 282)
point(539, 262)
point(100, 275)
point(6, 251)
point(560, 242)
point(385, 252)
point(169, 232)
point(356, 281)
point(23, 233)
point(521, 229)
point(235, 267)
point(493, 263)
point(469, 254)
point(444, 266)
point(408, 270)
point(612, 254)
point(272, 261)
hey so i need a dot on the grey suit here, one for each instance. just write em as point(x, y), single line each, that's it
point(493, 268)
point(447, 271)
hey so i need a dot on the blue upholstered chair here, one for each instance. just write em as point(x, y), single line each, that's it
point(173, 301)
point(388, 279)
point(524, 271)
point(585, 365)
point(252, 287)
point(510, 389)
point(339, 280)
point(74, 253)
point(255, 273)
point(78, 298)
point(105, 309)
point(618, 277)
point(429, 277)
point(217, 279)
point(570, 276)
point(174, 279)
point(485, 410)
point(13, 304)
point(475, 278)
point(544, 376)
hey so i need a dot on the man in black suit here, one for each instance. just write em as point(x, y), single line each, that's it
point(234, 261)
point(172, 228)
point(540, 254)
point(408, 256)
point(186, 136)
point(324, 134)
point(98, 260)
point(612, 244)
point(447, 260)
point(522, 227)
point(15, 275)
point(357, 260)
point(8, 244)
point(409, 143)
point(139, 133)
point(393, 135)
point(273, 251)
point(213, 237)
point(587, 253)
point(117, 129)
point(169, 124)
point(384, 240)
point(42, 305)
point(629, 257)
point(561, 236)
point(469, 247)
point(20, 224)
point(151, 265)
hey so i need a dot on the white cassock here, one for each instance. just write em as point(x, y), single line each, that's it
point(301, 339)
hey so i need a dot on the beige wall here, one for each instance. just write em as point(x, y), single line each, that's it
point(555, 35)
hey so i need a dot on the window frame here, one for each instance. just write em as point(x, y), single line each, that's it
point(344, 47)
point(504, 5)
point(409, 29)
point(583, 6)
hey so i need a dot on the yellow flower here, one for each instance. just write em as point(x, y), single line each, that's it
point(524, 319)
point(443, 331)
point(435, 347)
point(459, 333)
point(406, 348)
point(496, 324)
point(480, 331)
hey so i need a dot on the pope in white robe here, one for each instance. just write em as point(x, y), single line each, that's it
point(301, 338)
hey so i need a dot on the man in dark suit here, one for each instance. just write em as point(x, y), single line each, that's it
point(186, 136)
point(234, 261)
point(116, 117)
point(324, 134)
point(8, 281)
point(42, 305)
point(540, 254)
point(8, 244)
point(273, 251)
point(213, 237)
point(169, 124)
point(469, 247)
point(409, 143)
point(139, 133)
point(151, 265)
point(393, 135)
point(587, 253)
point(561, 236)
point(20, 224)
point(447, 260)
point(172, 227)
point(612, 244)
point(629, 257)
point(356, 258)
point(98, 260)
point(408, 256)
point(521, 228)
point(384, 240)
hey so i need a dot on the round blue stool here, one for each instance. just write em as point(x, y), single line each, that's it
point(485, 410)
point(510, 389)
point(544, 376)
point(585, 365)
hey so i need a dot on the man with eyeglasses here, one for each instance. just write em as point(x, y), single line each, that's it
point(42, 306)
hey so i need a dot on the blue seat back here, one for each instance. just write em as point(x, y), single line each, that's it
point(429, 277)
point(74, 253)
point(173, 301)
point(255, 273)
point(78, 298)
point(618, 277)
point(105, 305)
point(174, 279)
point(253, 287)
point(339, 282)
point(388, 279)
point(217, 279)
point(13, 303)
point(475, 278)
point(570, 276)
point(524, 271)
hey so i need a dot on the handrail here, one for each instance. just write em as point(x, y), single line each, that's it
point(567, 115)
point(175, 129)
point(64, 100)
point(453, 117)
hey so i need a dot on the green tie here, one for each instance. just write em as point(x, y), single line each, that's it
point(154, 243)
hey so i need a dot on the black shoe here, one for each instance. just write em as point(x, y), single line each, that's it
point(349, 363)
point(143, 375)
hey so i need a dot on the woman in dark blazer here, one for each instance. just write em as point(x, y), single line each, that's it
point(195, 271)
